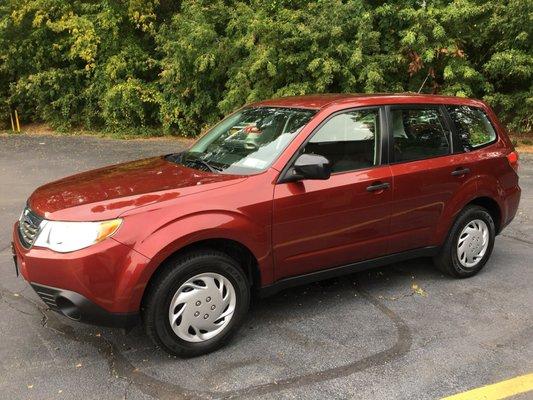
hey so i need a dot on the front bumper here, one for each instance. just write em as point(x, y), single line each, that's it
point(78, 308)
point(96, 285)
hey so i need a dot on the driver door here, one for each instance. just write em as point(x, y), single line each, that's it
point(320, 224)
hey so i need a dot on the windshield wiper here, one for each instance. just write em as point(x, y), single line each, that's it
point(174, 157)
point(187, 159)
point(199, 161)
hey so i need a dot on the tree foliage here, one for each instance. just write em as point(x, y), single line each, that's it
point(181, 65)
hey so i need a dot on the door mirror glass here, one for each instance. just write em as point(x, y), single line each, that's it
point(308, 166)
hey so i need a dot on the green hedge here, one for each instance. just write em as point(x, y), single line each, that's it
point(178, 66)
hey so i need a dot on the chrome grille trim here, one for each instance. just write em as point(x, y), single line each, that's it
point(29, 226)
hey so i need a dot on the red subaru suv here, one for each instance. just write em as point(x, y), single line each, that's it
point(280, 193)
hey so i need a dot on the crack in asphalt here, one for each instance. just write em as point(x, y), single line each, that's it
point(400, 348)
point(6, 250)
point(121, 368)
point(7, 303)
point(517, 238)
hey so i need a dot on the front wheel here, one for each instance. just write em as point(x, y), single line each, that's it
point(469, 243)
point(196, 303)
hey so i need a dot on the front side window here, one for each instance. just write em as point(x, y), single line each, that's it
point(419, 133)
point(246, 142)
point(349, 140)
point(474, 126)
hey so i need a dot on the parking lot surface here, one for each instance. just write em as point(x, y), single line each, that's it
point(403, 331)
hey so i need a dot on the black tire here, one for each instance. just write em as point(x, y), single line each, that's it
point(175, 272)
point(447, 260)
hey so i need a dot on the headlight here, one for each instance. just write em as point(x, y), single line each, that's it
point(70, 236)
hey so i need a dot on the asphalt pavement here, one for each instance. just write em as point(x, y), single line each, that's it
point(403, 331)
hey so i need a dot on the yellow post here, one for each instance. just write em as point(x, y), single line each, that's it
point(12, 123)
point(17, 119)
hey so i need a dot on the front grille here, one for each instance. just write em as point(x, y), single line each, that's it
point(48, 295)
point(29, 225)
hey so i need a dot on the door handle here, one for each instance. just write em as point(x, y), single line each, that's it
point(460, 171)
point(378, 186)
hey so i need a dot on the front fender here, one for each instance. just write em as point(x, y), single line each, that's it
point(189, 229)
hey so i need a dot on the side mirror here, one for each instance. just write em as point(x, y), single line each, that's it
point(308, 166)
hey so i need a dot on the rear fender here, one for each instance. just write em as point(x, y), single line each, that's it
point(452, 207)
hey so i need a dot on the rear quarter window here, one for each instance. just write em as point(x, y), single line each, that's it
point(474, 126)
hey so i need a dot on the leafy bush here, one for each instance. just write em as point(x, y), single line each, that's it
point(121, 64)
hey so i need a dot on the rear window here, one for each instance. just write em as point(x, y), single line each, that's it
point(474, 127)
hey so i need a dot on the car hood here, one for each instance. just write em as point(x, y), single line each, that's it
point(107, 192)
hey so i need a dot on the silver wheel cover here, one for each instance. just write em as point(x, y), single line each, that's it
point(202, 307)
point(473, 243)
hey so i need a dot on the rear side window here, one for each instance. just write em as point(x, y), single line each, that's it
point(349, 140)
point(473, 125)
point(419, 133)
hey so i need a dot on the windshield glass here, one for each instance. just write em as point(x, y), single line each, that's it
point(246, 142)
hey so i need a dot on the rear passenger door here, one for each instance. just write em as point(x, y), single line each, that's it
point(422, 165)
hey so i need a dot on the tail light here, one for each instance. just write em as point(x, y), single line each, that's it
point(512, 157)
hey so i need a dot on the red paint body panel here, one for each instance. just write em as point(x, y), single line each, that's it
point(290, 228)
point(241, 212)
point(102, 272)
point(107, 192)
point(422, 190)
point(323, 224)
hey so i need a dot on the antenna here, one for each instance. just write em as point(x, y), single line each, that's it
point(423, 83)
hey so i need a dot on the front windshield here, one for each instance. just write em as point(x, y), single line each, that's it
point(246, 142)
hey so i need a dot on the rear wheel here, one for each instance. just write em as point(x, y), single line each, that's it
point(197, 303)
point(469, 243)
